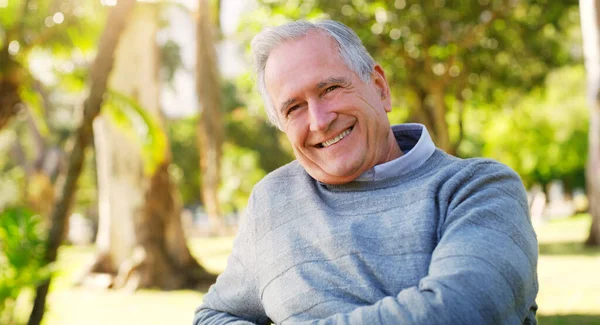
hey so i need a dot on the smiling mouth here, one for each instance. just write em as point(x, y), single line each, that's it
point(335, 140)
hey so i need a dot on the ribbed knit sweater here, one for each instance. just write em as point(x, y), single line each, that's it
point(450, 242)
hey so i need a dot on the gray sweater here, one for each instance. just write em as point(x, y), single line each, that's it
point(447, 243)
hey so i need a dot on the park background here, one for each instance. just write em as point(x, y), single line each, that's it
point(131, 137)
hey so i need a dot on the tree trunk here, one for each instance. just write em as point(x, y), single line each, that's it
point(10, 79)
point(91, 108)
point(120, 194)
point(432, 114)
point(440, 125)
point(418, 111)
point(140, 238)
point(210, 127)
point(590, 24)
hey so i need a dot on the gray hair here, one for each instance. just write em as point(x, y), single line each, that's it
point(351, 49)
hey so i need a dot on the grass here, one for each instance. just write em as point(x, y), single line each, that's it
point(70, 305)
point(568, 275)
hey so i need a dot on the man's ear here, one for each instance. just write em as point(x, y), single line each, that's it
point(379, 80)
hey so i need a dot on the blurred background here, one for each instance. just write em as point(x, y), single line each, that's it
point(131, 137)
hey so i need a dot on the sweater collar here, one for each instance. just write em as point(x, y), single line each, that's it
point(416, 144)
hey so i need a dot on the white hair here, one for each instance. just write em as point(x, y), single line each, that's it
point(350, 47)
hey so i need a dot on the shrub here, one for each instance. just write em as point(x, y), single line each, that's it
point(22, 250)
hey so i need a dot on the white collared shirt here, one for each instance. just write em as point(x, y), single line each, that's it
point(416, 145)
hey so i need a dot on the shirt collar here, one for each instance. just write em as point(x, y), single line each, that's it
point(416, 145)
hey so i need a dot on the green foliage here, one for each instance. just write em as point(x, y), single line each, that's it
point(7, 14)
point(51, 42)
point(21, 257)
point(466, 52)
point(495, 62)
point(255, 133)
point(55, 26)
point(52, 45)
point(170, 60)
point(34, 100)
point(543, 136)
point(128, 114)
point(12, 180)
point(252, 148)
point(239, 171)
point(490, 43)
point(185, 168)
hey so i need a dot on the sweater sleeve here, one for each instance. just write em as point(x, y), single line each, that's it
point(483, 270)
point(234, 298)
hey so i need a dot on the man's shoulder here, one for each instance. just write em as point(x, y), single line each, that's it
point(486, 166)
point(446, 163)
point(285, 172)
point(277, 194)
point(282, 178)
point(478, 174)
point(467, 170)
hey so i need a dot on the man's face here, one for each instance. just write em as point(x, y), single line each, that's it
point(337, 124)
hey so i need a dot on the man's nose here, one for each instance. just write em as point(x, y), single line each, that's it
point(320, 116)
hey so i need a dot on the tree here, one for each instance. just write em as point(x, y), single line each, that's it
point(140, 238)
point(41, 169)
point(44, 25)
point(590, 25)
point(91, 108)
point(441, 55)
point(30, 32)
point(210, 126)
point(543, 137)
point(252, 147)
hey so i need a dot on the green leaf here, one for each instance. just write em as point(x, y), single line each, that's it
point(9, 13)
point(22, 250)
point(131, 117)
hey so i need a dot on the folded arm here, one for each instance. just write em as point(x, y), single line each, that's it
point(483, 270)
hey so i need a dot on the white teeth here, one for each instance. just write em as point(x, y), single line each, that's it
point(336, 139)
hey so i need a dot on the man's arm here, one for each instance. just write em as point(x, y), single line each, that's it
point(234, 298)
point(209, 316)
point(483, 270)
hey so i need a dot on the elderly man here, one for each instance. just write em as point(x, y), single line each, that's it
point(371, 224)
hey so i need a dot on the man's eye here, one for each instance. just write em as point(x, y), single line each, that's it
point(292, 109)
point(331, 88)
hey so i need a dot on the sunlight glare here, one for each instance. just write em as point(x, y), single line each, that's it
point(14, 47)
point(3, 3)
point(109, 3)
point(58, 18)
point(49, 22)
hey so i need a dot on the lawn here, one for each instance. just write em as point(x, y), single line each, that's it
point(568, 274)
point(71, 305)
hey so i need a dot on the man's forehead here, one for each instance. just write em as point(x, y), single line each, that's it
point(310, 50)
point(312, 44)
